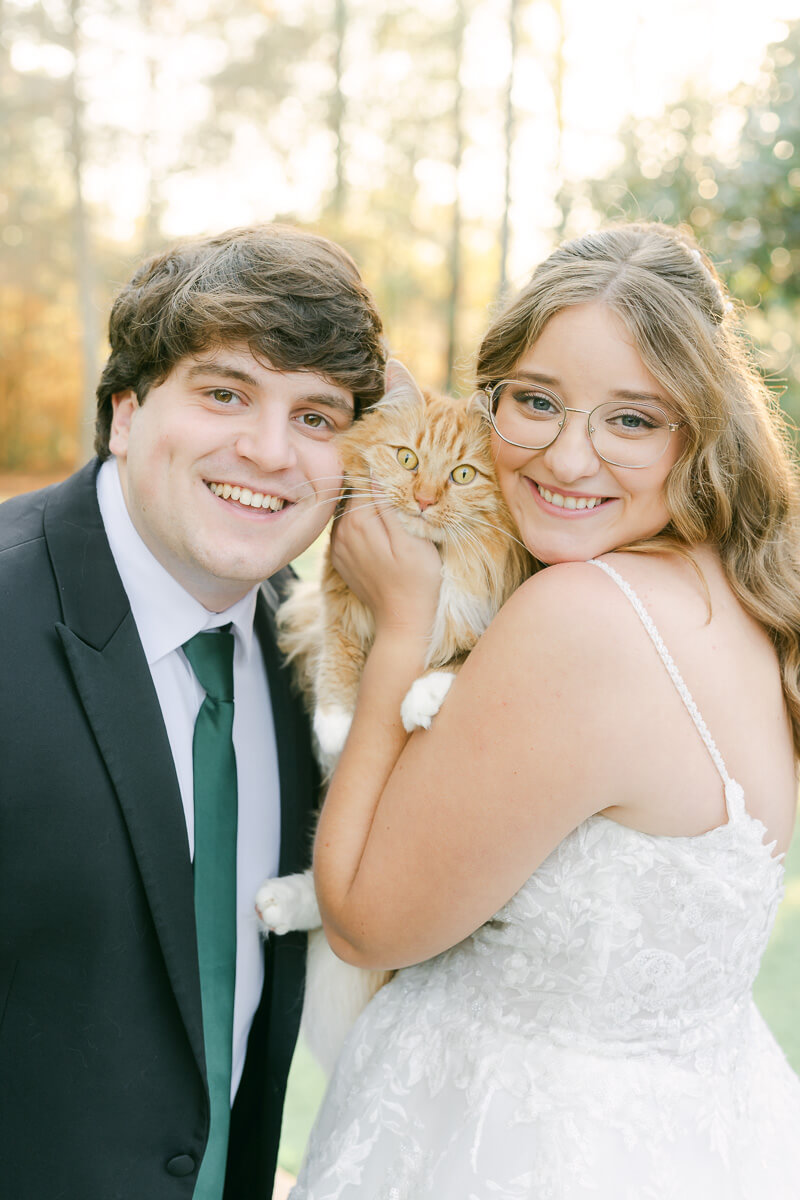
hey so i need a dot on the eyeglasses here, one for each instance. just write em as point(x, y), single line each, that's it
point(623, 433)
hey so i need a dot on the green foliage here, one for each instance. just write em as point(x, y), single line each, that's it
point(731, 173)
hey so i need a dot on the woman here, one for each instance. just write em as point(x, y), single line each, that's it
point(584, 869)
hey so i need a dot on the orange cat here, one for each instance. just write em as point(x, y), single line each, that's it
point(431, 457)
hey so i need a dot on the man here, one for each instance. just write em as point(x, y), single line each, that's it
point(154, 766)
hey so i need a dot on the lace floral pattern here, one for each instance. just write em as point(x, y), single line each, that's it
point(596, 1039)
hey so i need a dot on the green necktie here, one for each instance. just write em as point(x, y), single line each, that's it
point(215, 811)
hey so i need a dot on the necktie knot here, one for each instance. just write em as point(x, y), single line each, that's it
point(210, 656)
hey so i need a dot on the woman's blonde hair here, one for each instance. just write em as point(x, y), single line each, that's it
point(736, 483)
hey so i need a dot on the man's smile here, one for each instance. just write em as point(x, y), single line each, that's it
point(247, 497)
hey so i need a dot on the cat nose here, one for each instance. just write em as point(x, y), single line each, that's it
point(425, 502)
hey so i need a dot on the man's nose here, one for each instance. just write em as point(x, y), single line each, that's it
point(572, 456)
point(267, 441)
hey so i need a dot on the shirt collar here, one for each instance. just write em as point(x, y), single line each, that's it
point(166, 615)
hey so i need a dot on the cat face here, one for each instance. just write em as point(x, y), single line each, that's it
point(432, 458)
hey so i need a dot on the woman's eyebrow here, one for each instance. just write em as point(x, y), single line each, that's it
point(627, 394)
point(539, 377)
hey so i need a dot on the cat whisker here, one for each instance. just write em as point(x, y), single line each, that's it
point(497, 528)
point(358, 508)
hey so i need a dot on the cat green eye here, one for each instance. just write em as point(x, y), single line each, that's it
point(407, 458)
point(463, 474)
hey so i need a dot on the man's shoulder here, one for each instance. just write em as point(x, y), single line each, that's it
point(22, 518)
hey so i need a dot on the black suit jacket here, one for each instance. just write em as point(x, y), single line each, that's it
point(102, 1076)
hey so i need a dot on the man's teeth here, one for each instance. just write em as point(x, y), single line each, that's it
point(246, 497)
point(562, 501)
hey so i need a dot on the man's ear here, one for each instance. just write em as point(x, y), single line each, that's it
point(124, 405)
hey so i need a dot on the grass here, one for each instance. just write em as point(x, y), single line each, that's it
point(777, 994)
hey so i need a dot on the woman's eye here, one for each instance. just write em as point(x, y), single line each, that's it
point(407, 458)
point(537, 402)
point(224, 395)
point(632, 422)
point(463, 474)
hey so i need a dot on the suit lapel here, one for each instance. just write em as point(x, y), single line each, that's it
point(116, 689)
point(295, 762)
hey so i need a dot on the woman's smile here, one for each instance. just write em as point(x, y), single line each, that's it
point(560, 503)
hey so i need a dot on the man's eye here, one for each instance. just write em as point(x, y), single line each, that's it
point(315, 421)
point(224, 395)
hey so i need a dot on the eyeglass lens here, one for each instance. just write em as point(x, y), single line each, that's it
point(623, 433)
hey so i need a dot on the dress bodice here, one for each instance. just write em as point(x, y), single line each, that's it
point(622, 940)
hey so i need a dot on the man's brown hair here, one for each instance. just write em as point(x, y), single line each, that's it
point(292, 297)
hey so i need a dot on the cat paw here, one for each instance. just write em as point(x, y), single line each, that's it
point(287, 902)
point(331, 727)
point(424, 699)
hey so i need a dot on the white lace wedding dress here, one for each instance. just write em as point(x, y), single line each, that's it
point(597, 1039)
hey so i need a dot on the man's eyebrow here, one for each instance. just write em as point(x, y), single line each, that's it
point(330, 400)
point(225, 370)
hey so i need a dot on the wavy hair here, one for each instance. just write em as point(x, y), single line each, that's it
point(294, 298)
point(736, 482)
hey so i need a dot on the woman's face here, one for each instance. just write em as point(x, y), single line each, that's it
point(586, 357)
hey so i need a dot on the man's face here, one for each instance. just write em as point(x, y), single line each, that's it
point(229, 468)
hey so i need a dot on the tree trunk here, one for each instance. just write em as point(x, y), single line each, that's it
point(154, 206)
point(83, 253)
point(454, 257)
point(338, 106)
point(508, 147)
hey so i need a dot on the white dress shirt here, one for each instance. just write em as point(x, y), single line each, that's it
point(166, 616)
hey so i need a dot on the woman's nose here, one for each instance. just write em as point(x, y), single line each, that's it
point(572, 456)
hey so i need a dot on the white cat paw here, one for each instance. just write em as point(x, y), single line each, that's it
point(287, 902)
point(424, 699)
point(331, 727)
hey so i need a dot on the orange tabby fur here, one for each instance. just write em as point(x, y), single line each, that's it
point(324, 628)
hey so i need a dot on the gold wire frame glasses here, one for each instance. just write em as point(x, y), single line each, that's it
point(629, 433)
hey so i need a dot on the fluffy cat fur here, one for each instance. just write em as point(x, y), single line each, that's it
point(431, 457)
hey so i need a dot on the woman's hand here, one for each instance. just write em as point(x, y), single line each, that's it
point(396, 574)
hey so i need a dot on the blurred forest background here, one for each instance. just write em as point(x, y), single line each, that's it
point(448, 145)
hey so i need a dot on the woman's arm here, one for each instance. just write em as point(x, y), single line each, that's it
point(421, 840)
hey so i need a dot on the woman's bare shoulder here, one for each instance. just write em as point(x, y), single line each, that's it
point(569, 613)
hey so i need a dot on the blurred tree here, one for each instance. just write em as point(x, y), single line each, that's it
point(454, 258)
point(508, 144)
point(38, 331)
point(84, 256)
point(729, 171)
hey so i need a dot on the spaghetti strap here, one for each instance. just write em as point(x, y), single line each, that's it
point(734, 795)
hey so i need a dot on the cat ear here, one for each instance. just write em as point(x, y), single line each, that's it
point(479, 403)
point(401, 387)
